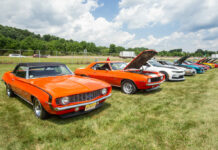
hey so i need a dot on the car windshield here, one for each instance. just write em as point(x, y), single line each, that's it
point(155, 63)
point(188, 62)
point(169, 63)
point(45, 71)
point(118, 65)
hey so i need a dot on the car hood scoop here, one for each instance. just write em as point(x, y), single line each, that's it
point(141, 59)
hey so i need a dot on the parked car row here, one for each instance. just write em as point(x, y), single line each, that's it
point(53, 89)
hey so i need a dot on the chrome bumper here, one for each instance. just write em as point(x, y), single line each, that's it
point(155, 83)
point(82, 104)
point(180, 79)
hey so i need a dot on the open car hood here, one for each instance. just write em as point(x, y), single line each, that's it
point(213, 60)
point(204, 61)
point(141, 59)
point(207, 60)
point(201, 60)
point(181, 60)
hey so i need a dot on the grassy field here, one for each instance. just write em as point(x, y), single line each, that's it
point(181, 115)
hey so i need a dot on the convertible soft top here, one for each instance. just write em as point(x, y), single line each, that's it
point(40, 64)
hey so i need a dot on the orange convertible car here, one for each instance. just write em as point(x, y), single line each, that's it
point(53, 89)
point(129, 77)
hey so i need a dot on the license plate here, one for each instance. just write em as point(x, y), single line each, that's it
point(90, 106)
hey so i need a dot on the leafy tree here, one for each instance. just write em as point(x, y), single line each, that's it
point(91, 47)
point(119, 49)
point(76, 47)
point(112, 48)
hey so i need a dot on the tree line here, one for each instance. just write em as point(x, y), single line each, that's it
point(18, 39)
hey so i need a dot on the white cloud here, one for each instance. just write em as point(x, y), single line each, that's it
point(71, 19)
point(188, 42)
point(99, 30)
point(189, 14)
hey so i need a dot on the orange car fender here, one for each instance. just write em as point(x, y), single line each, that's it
point(43, 96)
point(140, 82)
point(80, 72)
point(6, 78)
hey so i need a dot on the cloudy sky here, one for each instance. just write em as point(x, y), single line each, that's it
point(157, 24)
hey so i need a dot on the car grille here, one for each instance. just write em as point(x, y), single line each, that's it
point(82, 97)
point(180, 77)
point(156, 79)
point(178, 71)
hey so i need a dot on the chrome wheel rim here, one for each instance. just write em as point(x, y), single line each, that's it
point(8, 92)
point(127, 87)
point(37, 108)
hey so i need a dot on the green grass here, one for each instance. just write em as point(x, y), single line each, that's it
point(181, 115)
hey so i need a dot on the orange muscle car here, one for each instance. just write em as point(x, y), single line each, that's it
point(53, 89)
point(129, 77)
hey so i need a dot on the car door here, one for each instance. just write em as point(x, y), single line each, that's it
point(19, 83)
point(101, 71)
point(116, 74)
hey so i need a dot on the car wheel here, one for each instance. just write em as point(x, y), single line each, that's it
point(9, 91)
point(83, 75)
point(128, 87)
point(166, 75)
point(38, 109)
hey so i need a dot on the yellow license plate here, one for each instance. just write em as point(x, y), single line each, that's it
point(90, 106)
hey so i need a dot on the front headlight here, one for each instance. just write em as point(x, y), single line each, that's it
point(104, 91)
point(64, 100)
point(161, 77)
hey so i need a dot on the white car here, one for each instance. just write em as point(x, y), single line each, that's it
point(188, 71)
point(16, 55)
point(171, 73)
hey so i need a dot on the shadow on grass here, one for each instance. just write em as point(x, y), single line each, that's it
point(174, 81)
point(118, 89)
point(23, 102)
point(143, 92)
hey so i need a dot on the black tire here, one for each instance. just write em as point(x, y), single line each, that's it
point(83, 75)
point(128, 87)
point(166, 75)
point(9, 91)
point(38, 109)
